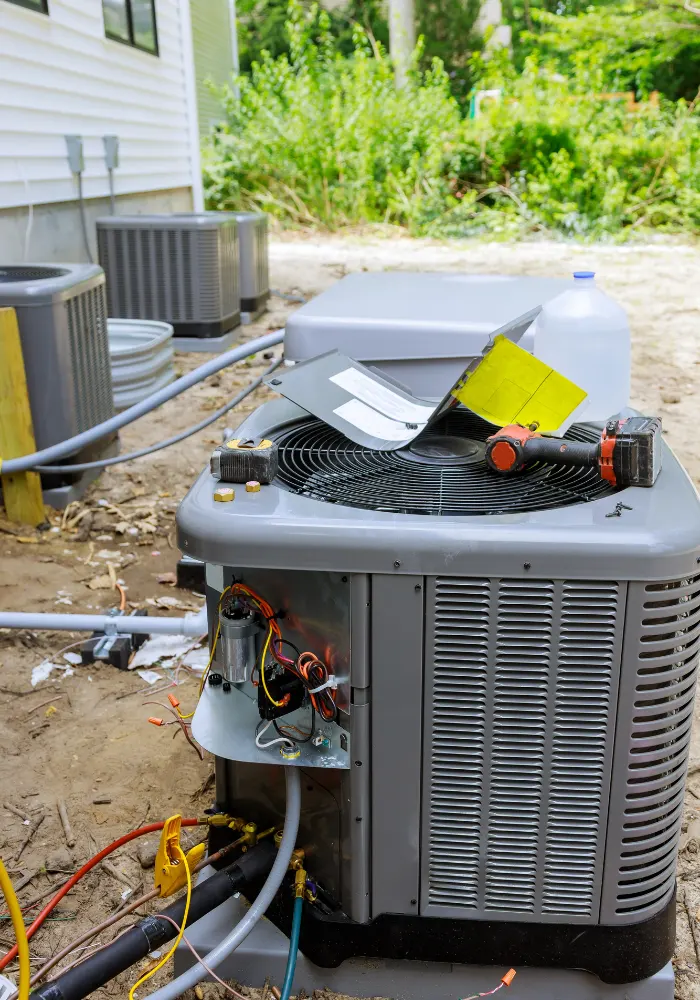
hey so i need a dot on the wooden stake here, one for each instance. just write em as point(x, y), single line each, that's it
point(24, 503)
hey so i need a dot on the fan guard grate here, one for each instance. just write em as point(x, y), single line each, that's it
point(319, 462)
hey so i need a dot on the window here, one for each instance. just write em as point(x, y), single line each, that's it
point(132, 22)
point(41, 5)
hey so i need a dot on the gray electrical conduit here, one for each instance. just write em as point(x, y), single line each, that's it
point(195, 625)
point(65, 448)
point(268, 892)
point(152, 448)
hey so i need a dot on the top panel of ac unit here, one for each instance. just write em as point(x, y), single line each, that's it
point(172, 220)
point(42, 284)
point(419, 328)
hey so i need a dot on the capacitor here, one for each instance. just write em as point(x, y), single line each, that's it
point(237, 632)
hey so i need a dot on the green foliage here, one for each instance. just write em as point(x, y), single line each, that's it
point(446, 25)
point(325, 140)
point(639, 46)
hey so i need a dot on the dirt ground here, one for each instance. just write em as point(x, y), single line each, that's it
point(84, 736)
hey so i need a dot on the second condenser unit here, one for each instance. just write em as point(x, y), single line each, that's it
point(181, 268)
point(62, 318)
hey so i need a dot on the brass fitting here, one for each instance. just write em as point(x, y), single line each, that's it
point(250, 835)
point(299, 883)
point(296, 862)
point(223, 819)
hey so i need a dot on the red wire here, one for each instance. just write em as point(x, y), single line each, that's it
point(74, 879)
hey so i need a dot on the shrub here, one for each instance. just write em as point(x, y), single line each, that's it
point(325, 140)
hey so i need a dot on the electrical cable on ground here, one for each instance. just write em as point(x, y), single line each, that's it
point(156, 399)
point(168, 442)
point(506, 980)
point(88, 866)
point(181, 930)
point(268, 892)
point(22, 946)
point(229, 989)
point(211, 859)
point(152, 932)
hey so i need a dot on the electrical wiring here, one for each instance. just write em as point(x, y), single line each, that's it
point(229, 989)
point(22, 946)
point(88, 866)
point(179, 720)
point(270, 743)
point(302, 737)
point(277, 704)
point(151, 972)
point(506, 980)
point(134, 905)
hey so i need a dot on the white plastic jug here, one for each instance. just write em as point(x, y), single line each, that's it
point(585, 336)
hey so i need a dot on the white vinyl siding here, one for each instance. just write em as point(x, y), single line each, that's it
point(59, 75)
point(212, 41)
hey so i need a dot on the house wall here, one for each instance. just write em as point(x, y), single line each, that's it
point(214, 59)
point(52, 233)
point(59, 75)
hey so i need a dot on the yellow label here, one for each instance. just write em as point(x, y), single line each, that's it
point(235, 445)
point(510, 386)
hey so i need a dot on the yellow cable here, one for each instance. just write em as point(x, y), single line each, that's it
point(277, 704)
point(20, 932)
point(204, 675)
point(162, 962)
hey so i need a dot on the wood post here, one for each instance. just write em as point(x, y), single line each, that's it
point(21, 491)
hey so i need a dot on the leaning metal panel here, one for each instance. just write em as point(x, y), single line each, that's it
point(657, 694)
point(521, 690)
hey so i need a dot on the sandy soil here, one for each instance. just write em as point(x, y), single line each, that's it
point(85, 737)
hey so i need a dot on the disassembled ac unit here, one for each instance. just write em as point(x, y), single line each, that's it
point(62, 317)
point(517, 658)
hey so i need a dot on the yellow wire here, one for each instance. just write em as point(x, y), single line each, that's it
point(277, 704)
point(211, 658)
point(162, 962)
point(204, 675)
point(20, 932)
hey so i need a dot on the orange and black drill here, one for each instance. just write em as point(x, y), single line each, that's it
point(627, 454)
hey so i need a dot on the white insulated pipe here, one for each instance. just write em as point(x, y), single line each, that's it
point(195, 625)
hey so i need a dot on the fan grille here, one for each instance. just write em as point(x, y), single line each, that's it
point(319, 462)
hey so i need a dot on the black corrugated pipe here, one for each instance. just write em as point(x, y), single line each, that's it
point(152, 932)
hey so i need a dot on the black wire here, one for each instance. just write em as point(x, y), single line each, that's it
point(286, 642)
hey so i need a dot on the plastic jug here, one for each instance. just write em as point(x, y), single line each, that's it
point(585, 336)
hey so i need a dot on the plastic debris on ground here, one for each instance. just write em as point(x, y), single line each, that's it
point(163, 651)
point(149, 676)
point(44, 670)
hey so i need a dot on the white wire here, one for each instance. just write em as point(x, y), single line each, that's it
point(270, 743)
point(30, 209)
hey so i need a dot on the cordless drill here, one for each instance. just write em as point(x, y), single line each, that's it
point(627, 454)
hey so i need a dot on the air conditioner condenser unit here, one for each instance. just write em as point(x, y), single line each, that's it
point(516, 660)
point(182, 269)
point(254, 263)
point(62, 317)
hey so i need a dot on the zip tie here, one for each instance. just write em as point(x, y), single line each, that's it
point(330, 683)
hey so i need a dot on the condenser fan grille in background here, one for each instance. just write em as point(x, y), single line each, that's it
point(319, 462)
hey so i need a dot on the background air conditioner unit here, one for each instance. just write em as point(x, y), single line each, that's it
point(182, 269)
point(62, 316)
